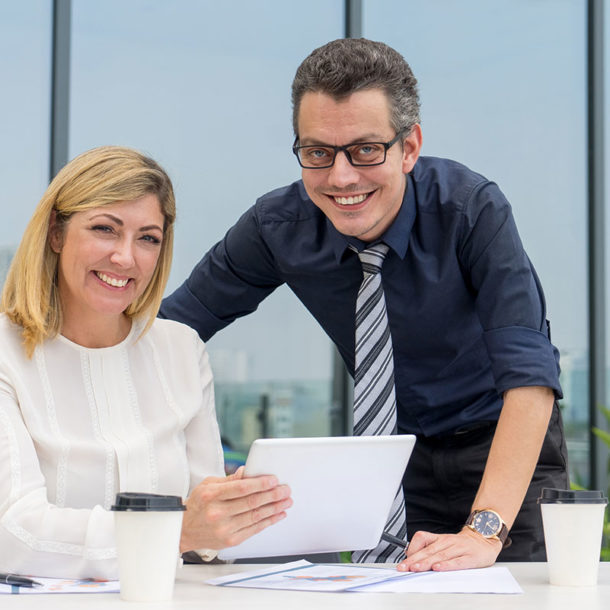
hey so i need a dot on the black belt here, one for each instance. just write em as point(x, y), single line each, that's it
point(461, 435)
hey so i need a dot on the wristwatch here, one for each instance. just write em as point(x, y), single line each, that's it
point(489, 524)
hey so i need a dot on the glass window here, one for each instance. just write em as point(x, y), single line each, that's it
point(25, 46)
point(503, 88)
point(190, 83)
point(607, 185)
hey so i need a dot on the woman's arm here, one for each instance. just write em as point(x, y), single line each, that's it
point(222, 511)
point(37, 537)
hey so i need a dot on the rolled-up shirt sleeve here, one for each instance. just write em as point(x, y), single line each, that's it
point(509, 298)
point(520, 357)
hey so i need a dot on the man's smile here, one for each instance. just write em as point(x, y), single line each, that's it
point(351, 200)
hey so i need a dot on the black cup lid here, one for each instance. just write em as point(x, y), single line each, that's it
point(571, 496)
point(144, 502)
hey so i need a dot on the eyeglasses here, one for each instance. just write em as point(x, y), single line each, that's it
point(361, 154)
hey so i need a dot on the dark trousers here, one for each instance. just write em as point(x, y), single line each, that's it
point(444, 474)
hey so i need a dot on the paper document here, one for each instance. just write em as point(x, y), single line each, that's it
point(305, 576)
point(482, 580)
point(63, 585)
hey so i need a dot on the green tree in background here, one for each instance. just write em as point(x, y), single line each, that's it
point(605, 437)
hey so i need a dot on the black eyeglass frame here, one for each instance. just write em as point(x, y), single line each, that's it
point(337, 149)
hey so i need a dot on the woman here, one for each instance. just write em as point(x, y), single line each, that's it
point(96, 394)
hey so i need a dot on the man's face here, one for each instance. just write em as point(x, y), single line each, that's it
point(359, 201)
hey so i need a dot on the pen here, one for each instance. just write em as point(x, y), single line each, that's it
point(18, 581)
point(403, 544)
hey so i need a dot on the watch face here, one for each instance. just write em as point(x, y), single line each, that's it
point(487, 523)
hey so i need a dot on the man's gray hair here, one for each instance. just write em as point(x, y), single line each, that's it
point(344, 66)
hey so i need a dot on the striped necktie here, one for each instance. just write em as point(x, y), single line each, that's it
point(374, 395)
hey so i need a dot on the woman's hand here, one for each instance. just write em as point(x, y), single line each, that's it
point(444, 552)
point(222, 512)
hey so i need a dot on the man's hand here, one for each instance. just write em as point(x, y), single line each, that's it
point(444, 552)
point(512, 459)
point(222, 512)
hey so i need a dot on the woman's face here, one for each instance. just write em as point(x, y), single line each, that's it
point(107, 256)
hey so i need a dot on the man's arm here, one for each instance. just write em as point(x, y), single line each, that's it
point(512, 459)
point(511, 308)
point(230, 281)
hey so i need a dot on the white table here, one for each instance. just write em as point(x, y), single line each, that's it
point(191, 592)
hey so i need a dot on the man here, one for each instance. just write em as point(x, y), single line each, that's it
point(475, 373)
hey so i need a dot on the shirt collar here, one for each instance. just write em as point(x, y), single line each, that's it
point(397, 235)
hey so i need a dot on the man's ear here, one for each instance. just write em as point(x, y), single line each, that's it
point(55, 233)
point(411, 148)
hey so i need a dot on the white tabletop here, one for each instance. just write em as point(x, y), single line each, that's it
point(192, 592)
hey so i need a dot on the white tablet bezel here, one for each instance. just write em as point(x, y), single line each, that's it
point(342, 488)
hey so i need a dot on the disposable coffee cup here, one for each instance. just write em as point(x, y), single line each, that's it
point(573, 522)
point(147, 531)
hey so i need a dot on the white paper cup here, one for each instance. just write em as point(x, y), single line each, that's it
point(147, 530)
point(573, 523)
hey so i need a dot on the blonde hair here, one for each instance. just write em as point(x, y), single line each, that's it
point(95, 178)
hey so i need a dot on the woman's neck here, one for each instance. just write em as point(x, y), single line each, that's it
point(98, 333)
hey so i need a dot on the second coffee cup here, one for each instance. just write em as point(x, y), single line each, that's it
point(573, 522)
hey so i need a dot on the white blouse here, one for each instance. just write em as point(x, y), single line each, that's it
point(77, 425)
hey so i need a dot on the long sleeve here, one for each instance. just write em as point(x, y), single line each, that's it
point(78, 425)
point(33, 532)
point(205, 458)
point(509, 298)
point(230, 281)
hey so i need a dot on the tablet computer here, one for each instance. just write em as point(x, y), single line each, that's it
point(342, 489)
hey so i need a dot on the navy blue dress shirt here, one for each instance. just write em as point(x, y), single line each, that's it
point(465, 306)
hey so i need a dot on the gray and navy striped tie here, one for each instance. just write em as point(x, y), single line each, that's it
point(374, 395)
